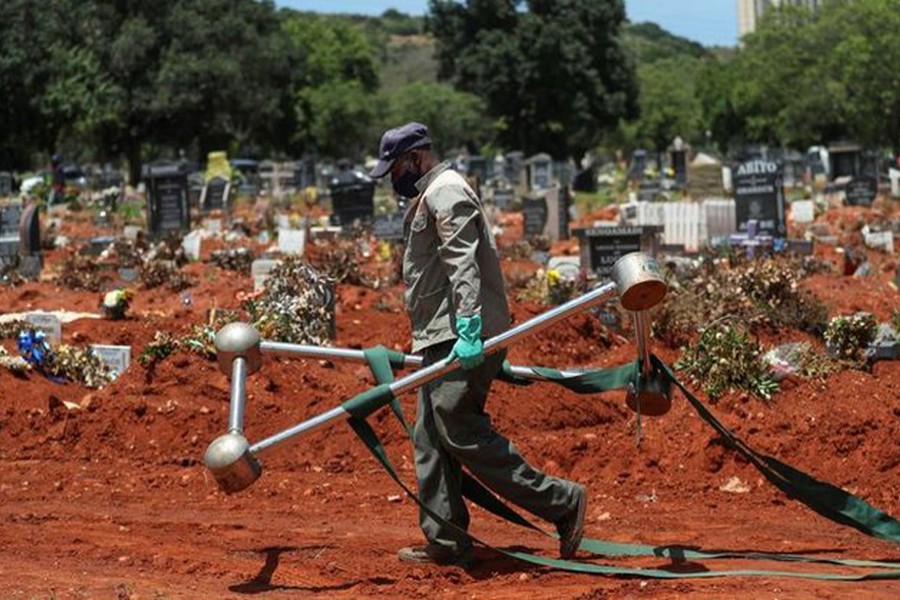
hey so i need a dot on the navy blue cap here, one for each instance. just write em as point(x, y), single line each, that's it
point(396, 142)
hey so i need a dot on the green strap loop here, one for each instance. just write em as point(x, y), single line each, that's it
point(859, 514)
point(828, 500)
point(370, 439)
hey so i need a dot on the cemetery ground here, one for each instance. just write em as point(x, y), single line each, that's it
point(103, 493)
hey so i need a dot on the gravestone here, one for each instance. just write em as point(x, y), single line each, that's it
point(292, 241)
point(845, 160)
point(803, 211)
point(678, 159)
point(260, 269)
point(352, 197)
point(534, 212)
point(48, 323)
point(540, 172)
point(861, 191)
point(388, 227)
point(30, 256)
point(167, 201)
point(759, 196)
point(513, 168)
point(638, 165)
point(650, 191)
point(568, 267)
point(305, 173)
point(10, 215)
point(116, 358)
point(504, 198)
point(216, 195)
point(478, 168)
point(601, 247)
point(585, 180)
point(563, 173)
point(5, 184)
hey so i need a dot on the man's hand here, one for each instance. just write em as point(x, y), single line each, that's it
point(468, 348)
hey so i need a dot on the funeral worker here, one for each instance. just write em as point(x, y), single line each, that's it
point(455, 298)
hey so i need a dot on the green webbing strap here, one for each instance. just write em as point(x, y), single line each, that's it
point(829, 501)
point(594, 382)
point(370, 439)
point(382, 363)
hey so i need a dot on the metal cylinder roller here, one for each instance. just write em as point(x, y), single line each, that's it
point(238, 340)
point(641, 285)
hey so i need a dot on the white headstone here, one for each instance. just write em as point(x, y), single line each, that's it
point(894, 174)
point(803, 211)
point(131, 232)
point(726, 179)
point(48, 323)
point(292, 241)
point(569, 267)
point(212, 225)
point(116, 358)
point(191, 245)
point(260, 270)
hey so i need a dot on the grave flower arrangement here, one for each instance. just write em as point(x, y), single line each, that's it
point(115, 303)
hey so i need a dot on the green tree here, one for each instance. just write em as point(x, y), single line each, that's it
point(333, 87)
point(554, 74)
point(454, 119)
point(668, 102)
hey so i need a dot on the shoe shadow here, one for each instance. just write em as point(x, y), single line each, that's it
point(261, 583)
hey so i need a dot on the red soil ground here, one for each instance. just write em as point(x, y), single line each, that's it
point(112, 500)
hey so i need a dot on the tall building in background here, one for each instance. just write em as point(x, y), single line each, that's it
point(750, 11)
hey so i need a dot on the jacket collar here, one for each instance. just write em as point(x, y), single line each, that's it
point(423, 183)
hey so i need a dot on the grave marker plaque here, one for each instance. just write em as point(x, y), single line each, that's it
point(601, 247)
point(861, 191)
point(216, 195)
point(759, 195)
point(388, 227)
point(540, 171)
point(48, 323)
point(116, 358)
point(292, 241)
point(167, 202)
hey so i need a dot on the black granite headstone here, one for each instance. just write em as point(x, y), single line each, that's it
point(601, 247)
point(388, 227)
point(759, 195)
point(167, 200)
point(585, 181)
point(30, 258)
point(352, 197)
point(216, 195)
point(534, 211)
point(861, 191)
point(679, 165)
point(478, 168)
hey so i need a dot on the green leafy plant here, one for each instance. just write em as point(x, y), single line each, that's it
point(849, 337)
point(726, 358)
point(163, 344)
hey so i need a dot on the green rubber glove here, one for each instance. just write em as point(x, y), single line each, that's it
point(468, 348)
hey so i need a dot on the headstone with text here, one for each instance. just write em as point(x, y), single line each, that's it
point(540, 172)
point(547, 214)
point(116, 358)
point(388, 227)
point(534, 214)
point(167, 200)
point(861, 191)
point(759, 196)
point(48, 323)
point(292, 241)
point(803, 211)
point(601, 247)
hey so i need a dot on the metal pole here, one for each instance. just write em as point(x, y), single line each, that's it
point(432, 372)
point(358, 356)
point(642, 333)
point(238, 388)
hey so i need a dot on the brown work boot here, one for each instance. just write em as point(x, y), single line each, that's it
point(436, 554)
point(571, 527)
